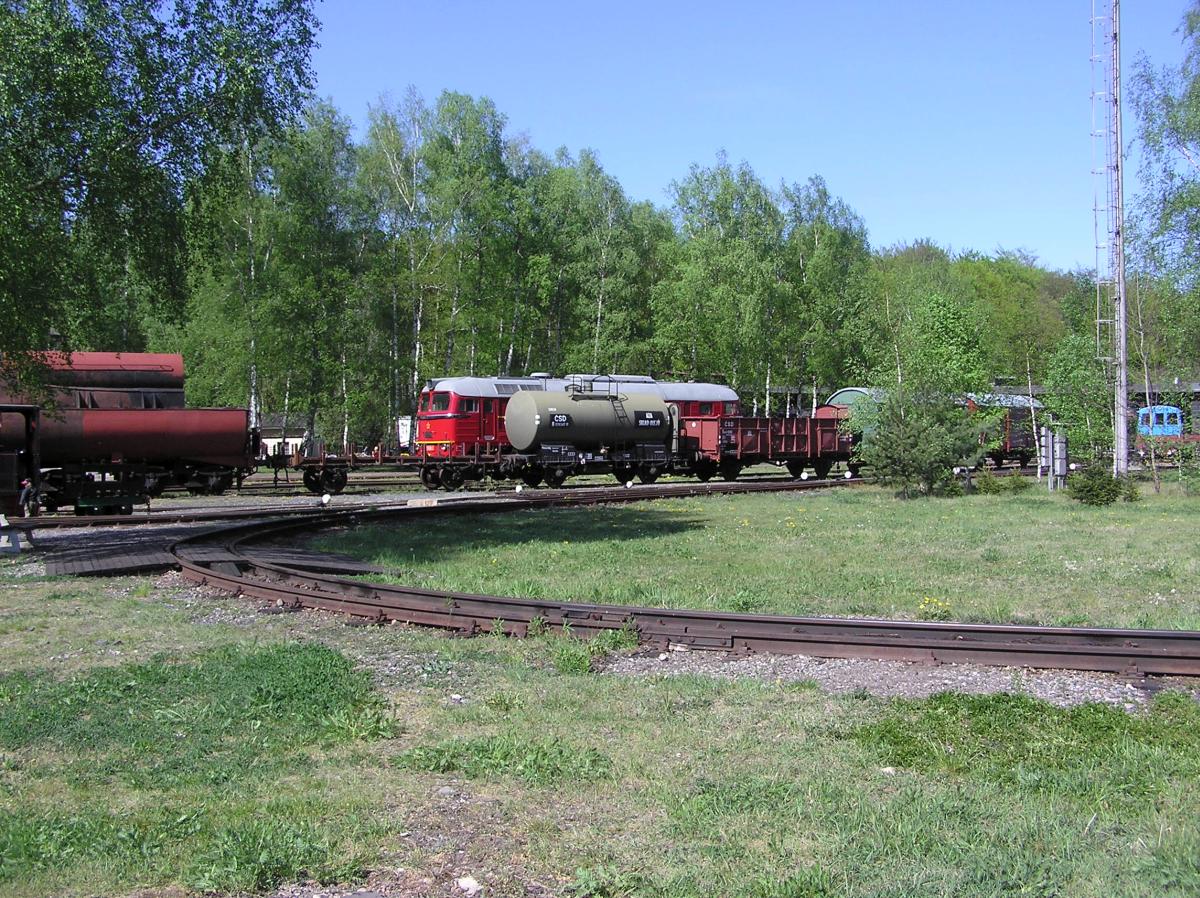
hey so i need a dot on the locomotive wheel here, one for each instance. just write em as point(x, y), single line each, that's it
point(555, 478)
point(822, 468)
point(795, 468)
point(430, 478)
point(452, 479)
point(648, 475)
point(531, 477)
point(729, 472)
point(333, 480)
point(312, 480)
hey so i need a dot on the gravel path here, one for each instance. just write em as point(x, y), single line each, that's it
point(903, 679)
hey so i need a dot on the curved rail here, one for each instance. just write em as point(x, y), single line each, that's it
point(231, 564)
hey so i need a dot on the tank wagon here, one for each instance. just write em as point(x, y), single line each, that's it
point(115, 432)
point(560, 433)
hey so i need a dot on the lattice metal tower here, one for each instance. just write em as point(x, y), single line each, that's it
point(1109, 208)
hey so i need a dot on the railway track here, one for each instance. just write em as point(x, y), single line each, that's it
point(228, 560)
point(580, 494)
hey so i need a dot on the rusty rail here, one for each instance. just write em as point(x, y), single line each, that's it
point(232, 566)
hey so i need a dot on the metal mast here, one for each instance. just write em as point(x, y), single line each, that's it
point(1110, 254)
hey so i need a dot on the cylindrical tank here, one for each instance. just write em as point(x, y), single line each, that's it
point(214, 436)
point(585, 420)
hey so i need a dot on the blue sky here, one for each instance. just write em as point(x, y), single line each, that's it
point(964, 122)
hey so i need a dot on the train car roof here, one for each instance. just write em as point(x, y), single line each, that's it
point(1003, 400)
point(851, 395)
point(493, 386)
point(671, 391)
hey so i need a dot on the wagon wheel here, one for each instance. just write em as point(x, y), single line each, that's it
point(555, 477)
point(730, 471)
point(531, 477)
point(624, 473)
point(430, 478)
point(795, 467)
point(1024, 458)
point(853, 469)
point(822, 467)
point(648, 475)
point(333, 480)
point(998, 460)
point(312, 480)
point(705, 470)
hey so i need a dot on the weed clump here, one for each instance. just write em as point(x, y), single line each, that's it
point(540, 763)
point(576, 656)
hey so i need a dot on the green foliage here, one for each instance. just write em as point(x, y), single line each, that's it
point(609, 882)
point(254, 855)
point(220, 724)
point(1078, 397)
point(576, 656)
point(916, 441)
point(1096, 486)
point(988, 484)
point(1089, 752)
point(111, 108)
point(230, 715)
point(540, 763)
point(1189, 470)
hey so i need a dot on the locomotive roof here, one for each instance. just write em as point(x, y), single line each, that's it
point(507, 386)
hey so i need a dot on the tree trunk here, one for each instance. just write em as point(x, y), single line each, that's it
point(1146, 380)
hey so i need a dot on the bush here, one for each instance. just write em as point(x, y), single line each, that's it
point(1095, 486)
point(988, 484)
point(915, 441)
point(1017, 483)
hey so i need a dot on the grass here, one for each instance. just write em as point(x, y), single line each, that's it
point(195, 749)
point(226, 752)
point(1029, 558)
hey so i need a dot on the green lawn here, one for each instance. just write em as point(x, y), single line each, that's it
point(1030, 558)
point(155, 741)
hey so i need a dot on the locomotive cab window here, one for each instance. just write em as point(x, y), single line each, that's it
point(706, 408)
point(488, 405)
point(731, 408)
point(468, 405)
point(439, 402)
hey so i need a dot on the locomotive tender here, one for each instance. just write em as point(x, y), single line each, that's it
point(116, 432)
point(540, 428)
